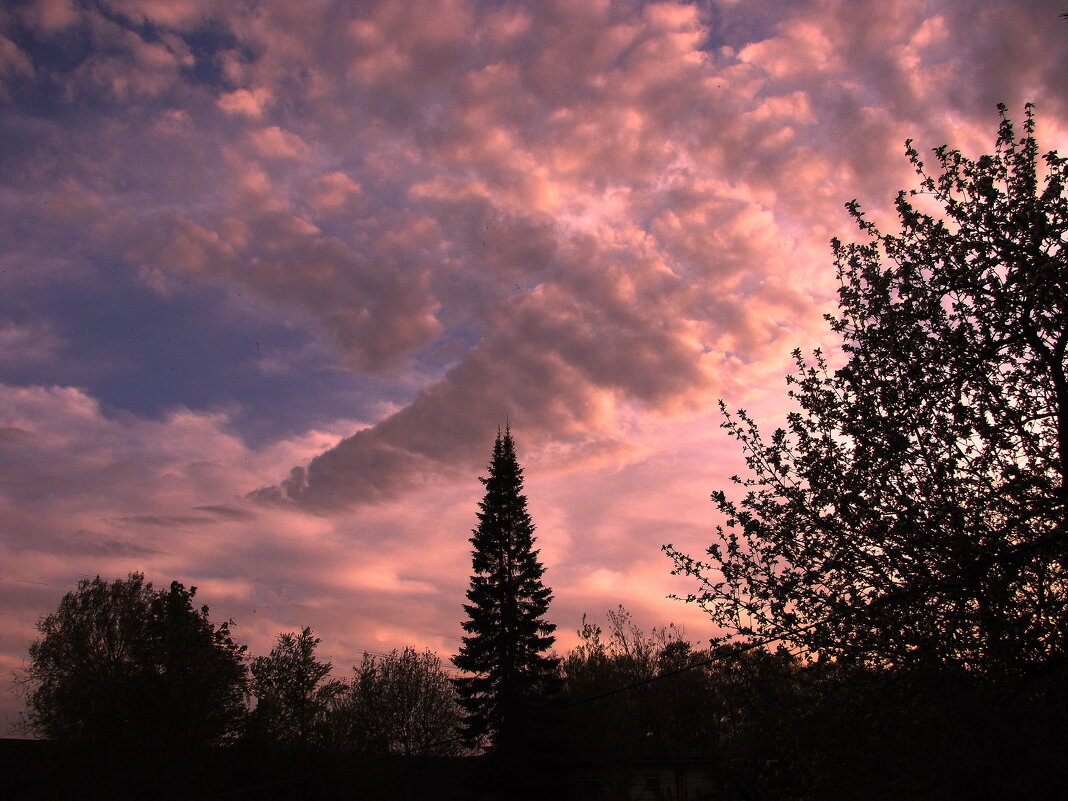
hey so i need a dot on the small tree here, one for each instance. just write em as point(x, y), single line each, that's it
point(401, 703)
point(122, 662)
point(293, 695)
point(507, 633)
point(914, 510)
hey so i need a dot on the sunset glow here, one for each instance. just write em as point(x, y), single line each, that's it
point(272, 274)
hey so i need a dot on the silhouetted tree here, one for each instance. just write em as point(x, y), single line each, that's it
point(293, 695)
point(124, 662)
point(671, 717)
point(507, 631)
point(913, 511)
point(401, 703)
point(134, 673)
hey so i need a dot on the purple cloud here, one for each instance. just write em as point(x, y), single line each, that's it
point(589, 219)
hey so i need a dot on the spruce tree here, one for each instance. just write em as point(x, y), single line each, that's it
point(507, 633)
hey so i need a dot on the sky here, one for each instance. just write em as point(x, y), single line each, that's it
point(272, 274)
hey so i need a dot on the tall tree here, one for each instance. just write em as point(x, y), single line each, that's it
point(507, 631)
point(122, 662)
point(135, 681)
point(913, 511)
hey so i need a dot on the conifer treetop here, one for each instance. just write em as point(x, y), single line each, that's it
point(507, 635)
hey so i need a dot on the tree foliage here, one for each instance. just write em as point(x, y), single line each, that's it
point(507, 634)
point(292, 691)
point(632, 695)
point(400, 703)
point(121, 662)
point(673, 717)
point(913, 509)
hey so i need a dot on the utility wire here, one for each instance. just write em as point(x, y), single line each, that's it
point(721, 656)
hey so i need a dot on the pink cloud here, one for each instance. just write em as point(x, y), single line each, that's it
point(49, 16)
point(85, 494)
point(333, 193)
point(591, 218)
point(34, 343)
point(476, 174)
point(274, 143)
point(250, 102)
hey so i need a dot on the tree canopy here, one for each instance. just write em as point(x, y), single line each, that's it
point(507, 634)
point(913, 509)
point(675, 717)
point(400, 703)
point(121, 662)
point(293, 692)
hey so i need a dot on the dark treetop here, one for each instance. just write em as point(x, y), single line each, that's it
point(507, 634)
point(913, 510)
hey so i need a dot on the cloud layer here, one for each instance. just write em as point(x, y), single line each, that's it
point(274, 273)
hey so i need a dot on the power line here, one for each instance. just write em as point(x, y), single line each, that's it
point(723, 655)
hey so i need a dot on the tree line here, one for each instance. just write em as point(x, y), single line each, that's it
point(889, 584)
point(124, 662)
point(124, 668)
